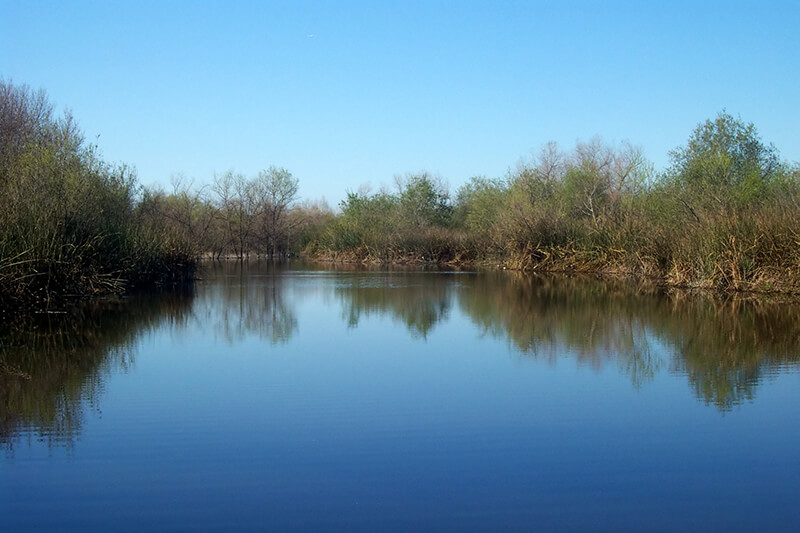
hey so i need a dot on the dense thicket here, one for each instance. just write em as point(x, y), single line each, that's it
point(70, 224)
point(723, 215)
point(239, 217)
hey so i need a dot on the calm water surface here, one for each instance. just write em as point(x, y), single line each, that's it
point(295, 399)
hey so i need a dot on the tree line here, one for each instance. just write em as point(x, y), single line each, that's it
point(723, 215)
point(236, 216)
point(72, 224)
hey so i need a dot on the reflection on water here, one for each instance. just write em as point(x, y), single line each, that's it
point(52, 373)
point(416, 300)
point(727, 348)
point(247, 299)
point(552, 317)
point(723, 347)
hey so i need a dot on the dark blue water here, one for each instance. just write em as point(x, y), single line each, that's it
point(295, 399)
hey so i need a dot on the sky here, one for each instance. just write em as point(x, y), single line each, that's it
point(347, 94)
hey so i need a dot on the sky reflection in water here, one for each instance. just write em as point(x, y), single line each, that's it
point(306, 399)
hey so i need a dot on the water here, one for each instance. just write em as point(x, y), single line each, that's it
point(299, 399)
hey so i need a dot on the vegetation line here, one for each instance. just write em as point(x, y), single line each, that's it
point(72, 225)
point(723, 216)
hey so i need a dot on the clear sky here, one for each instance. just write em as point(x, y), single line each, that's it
point(350, 93)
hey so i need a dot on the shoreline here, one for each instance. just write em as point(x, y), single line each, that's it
point(577, 264)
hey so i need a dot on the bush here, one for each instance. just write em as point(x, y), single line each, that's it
point(68, 225)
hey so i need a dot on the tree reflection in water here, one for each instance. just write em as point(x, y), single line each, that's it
point(247, 299)
point(417, 300)
point(722, 346)
point(55, 369)
point(550, 317)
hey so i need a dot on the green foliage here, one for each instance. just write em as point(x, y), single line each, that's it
point(726, 162)
point(69, 224)
point(423, 203)
point(479, 203)
point(412, 225)
point(724, 216)
point(365, 222)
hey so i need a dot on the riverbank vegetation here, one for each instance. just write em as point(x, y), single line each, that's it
point(235, 216)
point(724, 215)
point(72, 224)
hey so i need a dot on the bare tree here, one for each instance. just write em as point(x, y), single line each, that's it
point(274, 191)
point(600, 175)
point(236, 201)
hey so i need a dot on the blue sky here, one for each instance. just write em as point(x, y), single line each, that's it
point(344, 94)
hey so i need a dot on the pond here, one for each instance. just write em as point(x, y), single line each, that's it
point(294, 398)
